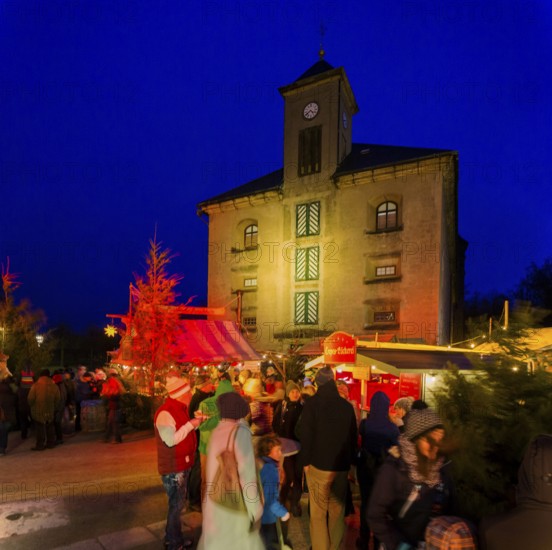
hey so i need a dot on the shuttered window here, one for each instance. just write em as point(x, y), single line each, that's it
point(308, 219)
point(306, 308)
point(306, 264)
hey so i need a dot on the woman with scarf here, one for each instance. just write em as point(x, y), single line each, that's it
point(412, 487)
point(377, 434)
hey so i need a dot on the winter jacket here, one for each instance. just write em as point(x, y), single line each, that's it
point(222, 528)
point(197, 398)
point(327, 430)
point(209, 407)
point(527, 526)
point(8, 399)
point(270, 480)
point(181, 456)
point(286, 416)
point(43, 399)
point(392, 520)
point(377, 432)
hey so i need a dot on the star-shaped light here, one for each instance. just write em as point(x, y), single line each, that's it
point(110, 330)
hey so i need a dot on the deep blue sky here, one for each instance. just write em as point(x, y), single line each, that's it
point(119, 116)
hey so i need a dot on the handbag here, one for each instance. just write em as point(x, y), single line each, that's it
point(226, 489)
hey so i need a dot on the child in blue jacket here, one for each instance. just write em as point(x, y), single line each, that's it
point(269, 450)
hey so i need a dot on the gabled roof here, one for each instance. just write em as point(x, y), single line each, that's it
point(268, 182)
point(363, 156)
point(366, 156)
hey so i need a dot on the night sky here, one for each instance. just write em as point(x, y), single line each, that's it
point(119, 117)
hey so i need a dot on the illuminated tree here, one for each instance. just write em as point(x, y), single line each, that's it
point(19, 326)
point(154, 321)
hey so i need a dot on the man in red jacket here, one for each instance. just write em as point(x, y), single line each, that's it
point(176, 447)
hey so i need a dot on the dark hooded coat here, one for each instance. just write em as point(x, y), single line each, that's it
point(529, 525)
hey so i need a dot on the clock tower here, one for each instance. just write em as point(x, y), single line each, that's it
point(318, 109)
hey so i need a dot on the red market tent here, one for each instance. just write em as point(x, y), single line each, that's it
point(199, 342)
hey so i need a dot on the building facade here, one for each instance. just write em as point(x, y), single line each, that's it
point(355, 237)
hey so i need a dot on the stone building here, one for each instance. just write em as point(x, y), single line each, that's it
point(346, 236)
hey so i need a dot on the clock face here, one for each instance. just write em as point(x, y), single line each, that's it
point(344, 119)
point(310, 110)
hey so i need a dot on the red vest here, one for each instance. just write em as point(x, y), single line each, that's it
point(171, 460)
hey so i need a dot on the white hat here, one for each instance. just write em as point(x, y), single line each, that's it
point(177, 386)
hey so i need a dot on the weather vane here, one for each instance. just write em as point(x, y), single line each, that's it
point(321, 52)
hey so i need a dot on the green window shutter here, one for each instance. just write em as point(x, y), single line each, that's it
point(301, 264)
point(300, 307)
point(308, 219)
point(302, 211)
point(312, 308)
point(314, 218)
point(312, 263)
point(306, 308)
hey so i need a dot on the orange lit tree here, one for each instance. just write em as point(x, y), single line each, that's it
point(154, 319)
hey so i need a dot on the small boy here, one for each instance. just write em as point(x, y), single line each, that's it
point(269, 450)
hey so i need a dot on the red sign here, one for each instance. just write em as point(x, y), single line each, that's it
point(340, 347)
point(410, 385)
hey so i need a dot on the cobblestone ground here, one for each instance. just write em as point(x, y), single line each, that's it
point(299, 527)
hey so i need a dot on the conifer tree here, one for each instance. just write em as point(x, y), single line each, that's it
point(494, 413)
point(154, 322)
point(19, 325)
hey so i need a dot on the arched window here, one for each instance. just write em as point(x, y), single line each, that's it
point(250, 236)
point(386, 216)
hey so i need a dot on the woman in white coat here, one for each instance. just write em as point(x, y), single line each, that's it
point(224, 528)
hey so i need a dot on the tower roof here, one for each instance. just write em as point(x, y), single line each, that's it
point(321, 66)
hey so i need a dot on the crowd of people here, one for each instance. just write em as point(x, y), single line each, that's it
point(51, 403)
point(244, 447)
point(261, 443)
point(284, 439)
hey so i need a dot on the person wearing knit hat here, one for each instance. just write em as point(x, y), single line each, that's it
point(420, 422)
point(176, 448)
point(413, 486)
point(221, 526)
point(401, 408)
point(324, 375)
point(286, 416)
point(291, 385)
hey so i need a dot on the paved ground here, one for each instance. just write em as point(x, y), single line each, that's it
point(88, 495)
